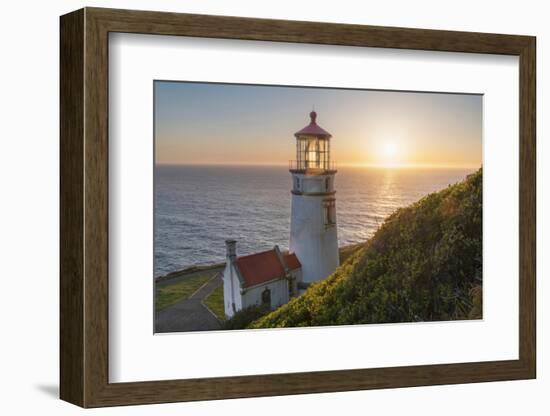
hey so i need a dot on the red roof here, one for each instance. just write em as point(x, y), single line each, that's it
point(313, 129)
point(260, 267)
point(292, 261)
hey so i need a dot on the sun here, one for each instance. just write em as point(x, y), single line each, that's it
point(389, 154)
point(389, 150)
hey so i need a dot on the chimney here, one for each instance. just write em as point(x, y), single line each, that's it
point(231, 249)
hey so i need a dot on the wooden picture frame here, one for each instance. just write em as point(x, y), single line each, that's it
point(84, 207)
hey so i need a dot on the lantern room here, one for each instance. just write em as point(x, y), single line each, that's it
point(312, 147)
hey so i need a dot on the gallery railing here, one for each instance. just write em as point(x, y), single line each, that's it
point(311, 164)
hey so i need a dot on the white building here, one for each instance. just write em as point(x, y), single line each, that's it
point(271, 277)
point(266, 278)
point(313, 234)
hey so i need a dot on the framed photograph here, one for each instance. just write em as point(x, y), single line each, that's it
point(255, 207)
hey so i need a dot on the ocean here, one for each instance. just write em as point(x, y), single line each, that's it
point(198, 207)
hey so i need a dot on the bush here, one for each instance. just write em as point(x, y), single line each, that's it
point(245, 316)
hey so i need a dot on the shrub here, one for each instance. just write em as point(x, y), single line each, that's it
point(245, 316)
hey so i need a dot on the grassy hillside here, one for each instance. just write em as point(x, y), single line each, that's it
point(423, 264)
point(181, 286)
point(214, 301)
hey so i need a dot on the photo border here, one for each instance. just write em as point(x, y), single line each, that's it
point(84, 206)
point(242, 84)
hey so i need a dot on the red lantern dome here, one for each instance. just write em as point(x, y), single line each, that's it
point(313, 129)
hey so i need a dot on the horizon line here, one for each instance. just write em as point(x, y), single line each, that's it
point(338, 165)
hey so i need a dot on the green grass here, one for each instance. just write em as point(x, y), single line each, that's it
point(168, 293)
point(347, 251)
point(214, 301)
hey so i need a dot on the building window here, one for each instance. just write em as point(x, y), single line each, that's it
point(266, 298)
point(329, 206)
point(290, 282)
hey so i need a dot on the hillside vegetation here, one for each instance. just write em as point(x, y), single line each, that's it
point(423, 264)
point(179, 287)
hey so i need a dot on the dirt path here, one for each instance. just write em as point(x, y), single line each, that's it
point(190, 314)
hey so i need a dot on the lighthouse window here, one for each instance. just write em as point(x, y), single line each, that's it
point(297, 184)
point(329, 206)
point(323, 154)
point(312, 154)
point(327, 184)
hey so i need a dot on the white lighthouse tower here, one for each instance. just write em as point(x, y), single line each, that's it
point(313, 234)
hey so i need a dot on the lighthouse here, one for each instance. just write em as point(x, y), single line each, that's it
point(313, 231)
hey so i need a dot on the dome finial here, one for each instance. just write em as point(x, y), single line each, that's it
point(313, 115)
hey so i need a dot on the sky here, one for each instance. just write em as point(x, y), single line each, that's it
point(210, 123)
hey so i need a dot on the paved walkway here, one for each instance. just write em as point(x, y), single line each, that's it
point(190, 314)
